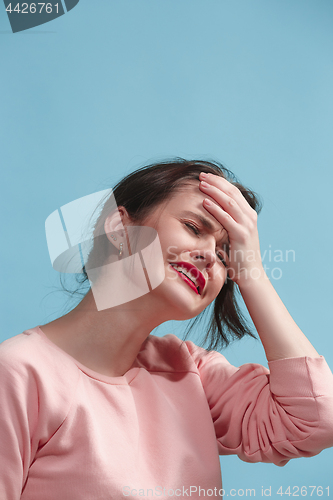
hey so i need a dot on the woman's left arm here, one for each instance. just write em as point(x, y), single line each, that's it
point(279, 334)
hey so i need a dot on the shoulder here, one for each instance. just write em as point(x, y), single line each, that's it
point(27, 359)
point(37, 389)
point(170, 354)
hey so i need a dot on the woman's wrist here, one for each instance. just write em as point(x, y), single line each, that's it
point(278, 332)
point(251, 278)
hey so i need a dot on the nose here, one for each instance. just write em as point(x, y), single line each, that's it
point(206, 256)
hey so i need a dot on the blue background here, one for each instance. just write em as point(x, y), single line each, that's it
point(110, 86)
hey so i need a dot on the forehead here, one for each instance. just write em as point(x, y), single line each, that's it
point(186, 202)
point(187, 196)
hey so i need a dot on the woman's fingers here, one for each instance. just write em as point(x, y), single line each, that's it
point(225, 219)
point(229, 204)
point(226, 203)
point(228, 189)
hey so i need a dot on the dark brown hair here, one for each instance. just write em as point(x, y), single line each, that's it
point(141, 192)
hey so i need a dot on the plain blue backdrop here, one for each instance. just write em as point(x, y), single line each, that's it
point(112, 85)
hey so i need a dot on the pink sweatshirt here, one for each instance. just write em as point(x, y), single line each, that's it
point(69, 433)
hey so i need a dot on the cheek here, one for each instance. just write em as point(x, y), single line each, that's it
point(172, 247)
point(171, 252)
point(218, 277)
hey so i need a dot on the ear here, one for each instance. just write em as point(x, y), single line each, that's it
point(114, 226)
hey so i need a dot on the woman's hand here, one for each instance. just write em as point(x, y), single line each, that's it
point(280, 335)
point(232, 211)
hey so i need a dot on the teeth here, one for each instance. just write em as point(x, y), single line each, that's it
point(187, 273)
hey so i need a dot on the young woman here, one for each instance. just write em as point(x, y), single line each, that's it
point(94, 407)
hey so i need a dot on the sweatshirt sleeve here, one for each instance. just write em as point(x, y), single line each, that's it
point(36, 390)
point(18, 419)
point(268, 415)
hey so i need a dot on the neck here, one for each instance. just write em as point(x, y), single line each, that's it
point(109, 340)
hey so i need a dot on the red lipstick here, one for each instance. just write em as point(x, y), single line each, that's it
point(195, 272)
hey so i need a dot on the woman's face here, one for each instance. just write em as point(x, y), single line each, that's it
point(194, 246)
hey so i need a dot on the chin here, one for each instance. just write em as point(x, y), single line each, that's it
point(184, 304)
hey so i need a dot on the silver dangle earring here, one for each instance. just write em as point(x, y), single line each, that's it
point(120, 249)
point(114, 237)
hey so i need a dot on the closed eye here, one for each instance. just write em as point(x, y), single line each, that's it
point(193, 228)
point(197, 232)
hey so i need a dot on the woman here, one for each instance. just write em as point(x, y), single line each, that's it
point(95, 407)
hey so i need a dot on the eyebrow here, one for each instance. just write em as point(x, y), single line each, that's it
point(208, 225)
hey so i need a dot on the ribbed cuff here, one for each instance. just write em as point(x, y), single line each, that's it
point(300, 377)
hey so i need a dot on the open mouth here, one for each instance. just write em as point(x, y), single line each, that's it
point(191, 275)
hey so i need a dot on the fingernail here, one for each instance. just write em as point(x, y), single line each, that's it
point(204, 184)
point(207, 202)
point(203, 174)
